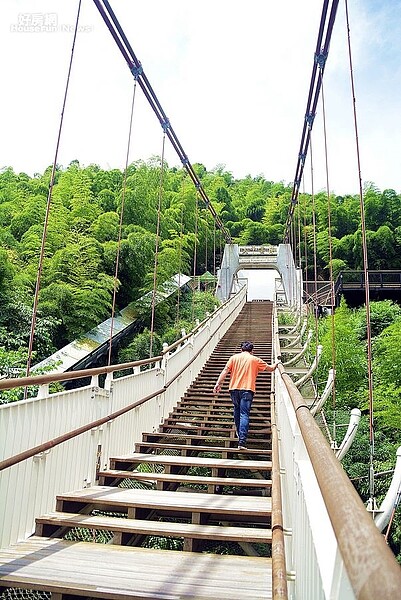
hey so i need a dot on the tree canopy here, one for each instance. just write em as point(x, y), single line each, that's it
point(84, 234)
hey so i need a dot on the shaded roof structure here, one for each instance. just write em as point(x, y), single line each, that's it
point(87, 348)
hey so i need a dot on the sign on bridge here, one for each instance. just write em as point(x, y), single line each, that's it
point(258, 250)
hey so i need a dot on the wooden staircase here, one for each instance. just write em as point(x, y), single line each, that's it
point(185, 487)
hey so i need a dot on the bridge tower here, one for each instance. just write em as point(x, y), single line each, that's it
point(280, 258)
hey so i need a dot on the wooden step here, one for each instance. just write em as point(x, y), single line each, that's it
point(182, 409)
point(207, 383)
point(185, 449)
point(111, 477)
point(50, 524)
point(121, 572)
point(229, 438)
point(206, 416)
point(214, 424)
point(212, 439)
point(144, 504)
point(211, 428)
point(207, 396)
point(189, 461)
point(213, 408)
point(223, 398)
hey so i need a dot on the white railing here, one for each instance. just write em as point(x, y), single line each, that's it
point(333, 548)
point(28, 489)
point(315, 567)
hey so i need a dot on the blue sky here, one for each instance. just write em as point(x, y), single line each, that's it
point(232, 77)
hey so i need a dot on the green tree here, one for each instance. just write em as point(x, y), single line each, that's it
point(106, 227)
point(255, 233)
point(350, 356)
point(387, 361)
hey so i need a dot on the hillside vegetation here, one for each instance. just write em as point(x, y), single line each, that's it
point(82, 238)
point(80, 257)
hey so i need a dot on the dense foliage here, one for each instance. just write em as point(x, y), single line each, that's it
point(77, 280)
point(351, 390)
point(80, 260)
point(83, 230)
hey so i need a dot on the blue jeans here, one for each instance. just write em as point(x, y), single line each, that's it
point(242, 402)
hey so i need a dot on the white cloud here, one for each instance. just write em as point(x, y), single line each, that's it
point(232, 77)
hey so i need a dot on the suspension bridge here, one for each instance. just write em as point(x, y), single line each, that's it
point(90, 476)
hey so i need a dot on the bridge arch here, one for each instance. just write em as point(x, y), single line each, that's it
point(266, 256)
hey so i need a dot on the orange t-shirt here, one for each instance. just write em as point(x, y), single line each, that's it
point(243, 369)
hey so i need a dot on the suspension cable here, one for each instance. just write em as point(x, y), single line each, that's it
point(299, 237)
point(159, 204)
point(136, 69)
point(206, 234)
point(365, 268)
point(305, 242)
point(293, 241)
point(195, 256)
point(330, 241)
point(214, 250)
point(315, 303)
point(120, 228)
point(49, 200)
point(177, 317)
point(321, 54)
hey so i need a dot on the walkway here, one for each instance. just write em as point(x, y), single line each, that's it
point(186, 485)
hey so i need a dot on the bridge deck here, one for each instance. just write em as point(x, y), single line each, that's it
point(188, 485)
point(119, 572)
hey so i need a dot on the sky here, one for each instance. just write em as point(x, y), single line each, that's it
point(232, 77)
point(261, 283)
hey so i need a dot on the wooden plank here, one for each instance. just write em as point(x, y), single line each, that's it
point(192, 447)
point(157, 528)
point(173, 424)
point(121, 499)
point(215, 418)
point(194, 479)
point(223, 400)
point(227, 414)
point(120, 572)
point(188, 436)
point(196, 461)
point(210, 439)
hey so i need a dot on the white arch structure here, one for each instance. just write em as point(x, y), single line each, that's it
point(278, 257)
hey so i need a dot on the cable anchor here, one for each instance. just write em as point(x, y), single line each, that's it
point(320, 60)
point(309, 118)
point(136, 71)
point(165, 125)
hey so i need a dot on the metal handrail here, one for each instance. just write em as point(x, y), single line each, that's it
point(44, 379)
point(370, 564)
point(279, 570)
point(10, 383)
point(17, 458)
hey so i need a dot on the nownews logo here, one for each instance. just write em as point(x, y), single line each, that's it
point(44, 23)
